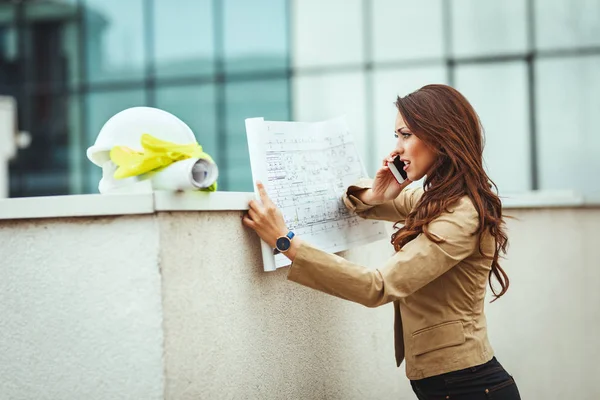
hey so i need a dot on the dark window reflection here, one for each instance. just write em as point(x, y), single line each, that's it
point(51, 33)
point(43, 168)
point(9, 63)
point(39, 61)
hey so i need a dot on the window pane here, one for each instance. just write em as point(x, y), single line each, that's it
point(488, 27)
point(321, 97)
point(388, 84)
point(52, 43)
point(114, 40)
point(183, 37)
point(195, 105)
point(327, 32)
point(10, 73)
point(405, 29)
point(568, 100)
point(268, 99)
point(100, 107)
point(265, 45)
point(76, 151)
point(567, 23)
point(43, 168)
point(45, 182)
point(498, 92)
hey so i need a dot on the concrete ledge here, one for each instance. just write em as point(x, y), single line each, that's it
point(546, 199)
point(149, 203)
point(121, 204)
point(76, 206)
point(201, 201)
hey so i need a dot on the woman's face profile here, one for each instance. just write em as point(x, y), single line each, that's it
point(418, 157)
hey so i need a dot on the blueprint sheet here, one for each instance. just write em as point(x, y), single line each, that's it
point(306, 167)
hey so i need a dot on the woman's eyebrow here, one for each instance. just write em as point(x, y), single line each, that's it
point(399, 130)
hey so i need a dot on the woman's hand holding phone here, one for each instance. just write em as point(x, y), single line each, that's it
point(385, 186)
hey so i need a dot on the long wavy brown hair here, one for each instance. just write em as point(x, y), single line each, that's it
point(443, 118)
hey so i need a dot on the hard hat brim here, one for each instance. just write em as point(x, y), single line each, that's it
point(98, 154)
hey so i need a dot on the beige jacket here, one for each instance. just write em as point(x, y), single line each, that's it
point(438, 290)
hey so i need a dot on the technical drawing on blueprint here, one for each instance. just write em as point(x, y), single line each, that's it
point(306, 167)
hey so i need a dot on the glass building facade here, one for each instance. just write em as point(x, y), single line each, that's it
point(531, 68)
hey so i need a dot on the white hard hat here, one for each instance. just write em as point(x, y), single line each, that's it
point(127, 127)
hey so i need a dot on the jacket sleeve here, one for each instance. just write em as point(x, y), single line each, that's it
point(394, 211)
point(419, 262)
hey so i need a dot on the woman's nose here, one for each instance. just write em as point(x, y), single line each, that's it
point(399, 147)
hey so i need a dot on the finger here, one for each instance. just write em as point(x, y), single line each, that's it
point(383, 171)
point(254, 205)
point(393, 155)
point(248, 222)
point(263, 193)
point(253, 215)
point(387, 160)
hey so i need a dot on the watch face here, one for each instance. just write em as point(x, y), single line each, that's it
point(283, 243)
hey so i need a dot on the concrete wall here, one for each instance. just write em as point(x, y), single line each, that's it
point(81, 312)
point(545, 330)
point(235, 332)
point(80, 309)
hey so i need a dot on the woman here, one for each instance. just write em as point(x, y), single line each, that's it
point(448, 239)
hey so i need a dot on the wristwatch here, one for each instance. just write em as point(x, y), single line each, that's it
point(283, 243)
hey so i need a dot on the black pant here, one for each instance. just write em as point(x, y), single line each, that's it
point(486, 381)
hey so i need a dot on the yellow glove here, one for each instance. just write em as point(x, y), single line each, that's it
point(157, 154)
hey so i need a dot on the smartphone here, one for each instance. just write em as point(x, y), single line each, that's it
point(397, 168)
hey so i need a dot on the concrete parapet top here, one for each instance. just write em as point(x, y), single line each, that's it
point(121, 204)
point(150, 203)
